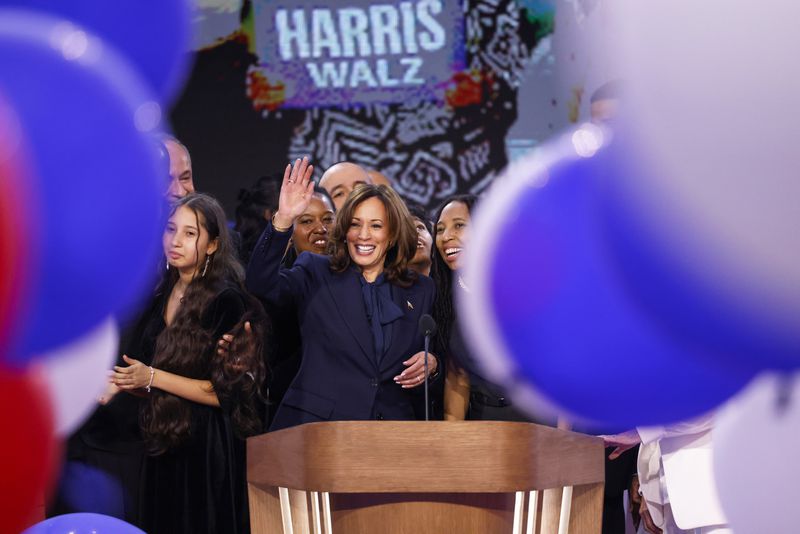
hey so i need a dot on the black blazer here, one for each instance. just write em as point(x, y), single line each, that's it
point(339, 377)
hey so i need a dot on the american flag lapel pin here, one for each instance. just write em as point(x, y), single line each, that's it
point(410, 307)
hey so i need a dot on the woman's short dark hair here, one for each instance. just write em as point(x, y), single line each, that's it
point(402, 234)
point(418, 212)
point(322, 192)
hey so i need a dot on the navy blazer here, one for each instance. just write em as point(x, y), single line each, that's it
point(339, 377)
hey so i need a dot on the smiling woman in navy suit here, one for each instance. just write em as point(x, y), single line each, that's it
point(358, 308)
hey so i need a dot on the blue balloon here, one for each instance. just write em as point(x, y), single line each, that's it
point(737, 330)
point(97, 193)
point(563, 311)
point(83, 524)
point(154, 35)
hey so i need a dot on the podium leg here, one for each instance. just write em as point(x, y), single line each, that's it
point(534, 512)
point(585, 514)
point(551, 510)
point(265, 510)
point(587, 509)
point(282, 510)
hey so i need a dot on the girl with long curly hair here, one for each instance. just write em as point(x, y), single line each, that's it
point(200, 405)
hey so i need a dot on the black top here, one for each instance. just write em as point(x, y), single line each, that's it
point(488, 400)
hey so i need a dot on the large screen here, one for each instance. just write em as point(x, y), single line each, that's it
point(358, 52)
point(438, 95)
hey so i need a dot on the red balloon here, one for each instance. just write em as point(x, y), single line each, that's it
point(15, 225)
point(28, 449)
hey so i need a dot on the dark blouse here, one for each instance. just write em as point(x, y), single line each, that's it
point(488, 400)
point(381, 312)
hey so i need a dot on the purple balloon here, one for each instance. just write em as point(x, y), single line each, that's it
point(672, 282)
point(97, 194)
point(551, 303)
point(154, 35)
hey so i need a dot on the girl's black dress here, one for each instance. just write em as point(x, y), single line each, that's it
point(200, 486)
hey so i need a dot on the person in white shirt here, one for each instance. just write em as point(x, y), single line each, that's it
point(676, 479)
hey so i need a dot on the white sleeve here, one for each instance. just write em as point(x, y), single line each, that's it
point(697, 425)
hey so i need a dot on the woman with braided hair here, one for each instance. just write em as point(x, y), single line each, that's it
point(467, 394)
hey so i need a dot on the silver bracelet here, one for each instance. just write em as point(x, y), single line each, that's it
point(150, 384)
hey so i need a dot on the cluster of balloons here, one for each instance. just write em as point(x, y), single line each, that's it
point(646, 275)
point(551, 278)
point(83, 86)
point(555, 305)
point(664, 259)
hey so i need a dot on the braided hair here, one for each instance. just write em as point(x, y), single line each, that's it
point(444, 312)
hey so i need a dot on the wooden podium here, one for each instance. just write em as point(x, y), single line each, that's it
point(424, 477)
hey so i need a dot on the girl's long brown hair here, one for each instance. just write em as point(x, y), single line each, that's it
point(187, 347)
point(402, 234)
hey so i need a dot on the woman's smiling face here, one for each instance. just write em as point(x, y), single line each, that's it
point(368, 236)
point(311, 228)
point(452, 233)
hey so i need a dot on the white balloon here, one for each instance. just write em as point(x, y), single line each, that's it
point(756, 439)
point(712, 95)
point(77, 374)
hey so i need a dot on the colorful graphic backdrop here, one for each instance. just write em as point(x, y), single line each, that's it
point(436, 94)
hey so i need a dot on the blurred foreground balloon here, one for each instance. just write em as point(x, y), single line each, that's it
point(77, 374)
point(714, 112)
point(83, 524)
point(154, 35)
point(84, 488)
point(96, 194)
point(551, 311)
point(756, 440)
point(15, 259)
point(27, 450)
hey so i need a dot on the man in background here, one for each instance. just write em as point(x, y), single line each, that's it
point(181, 181)
point(340, 179)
